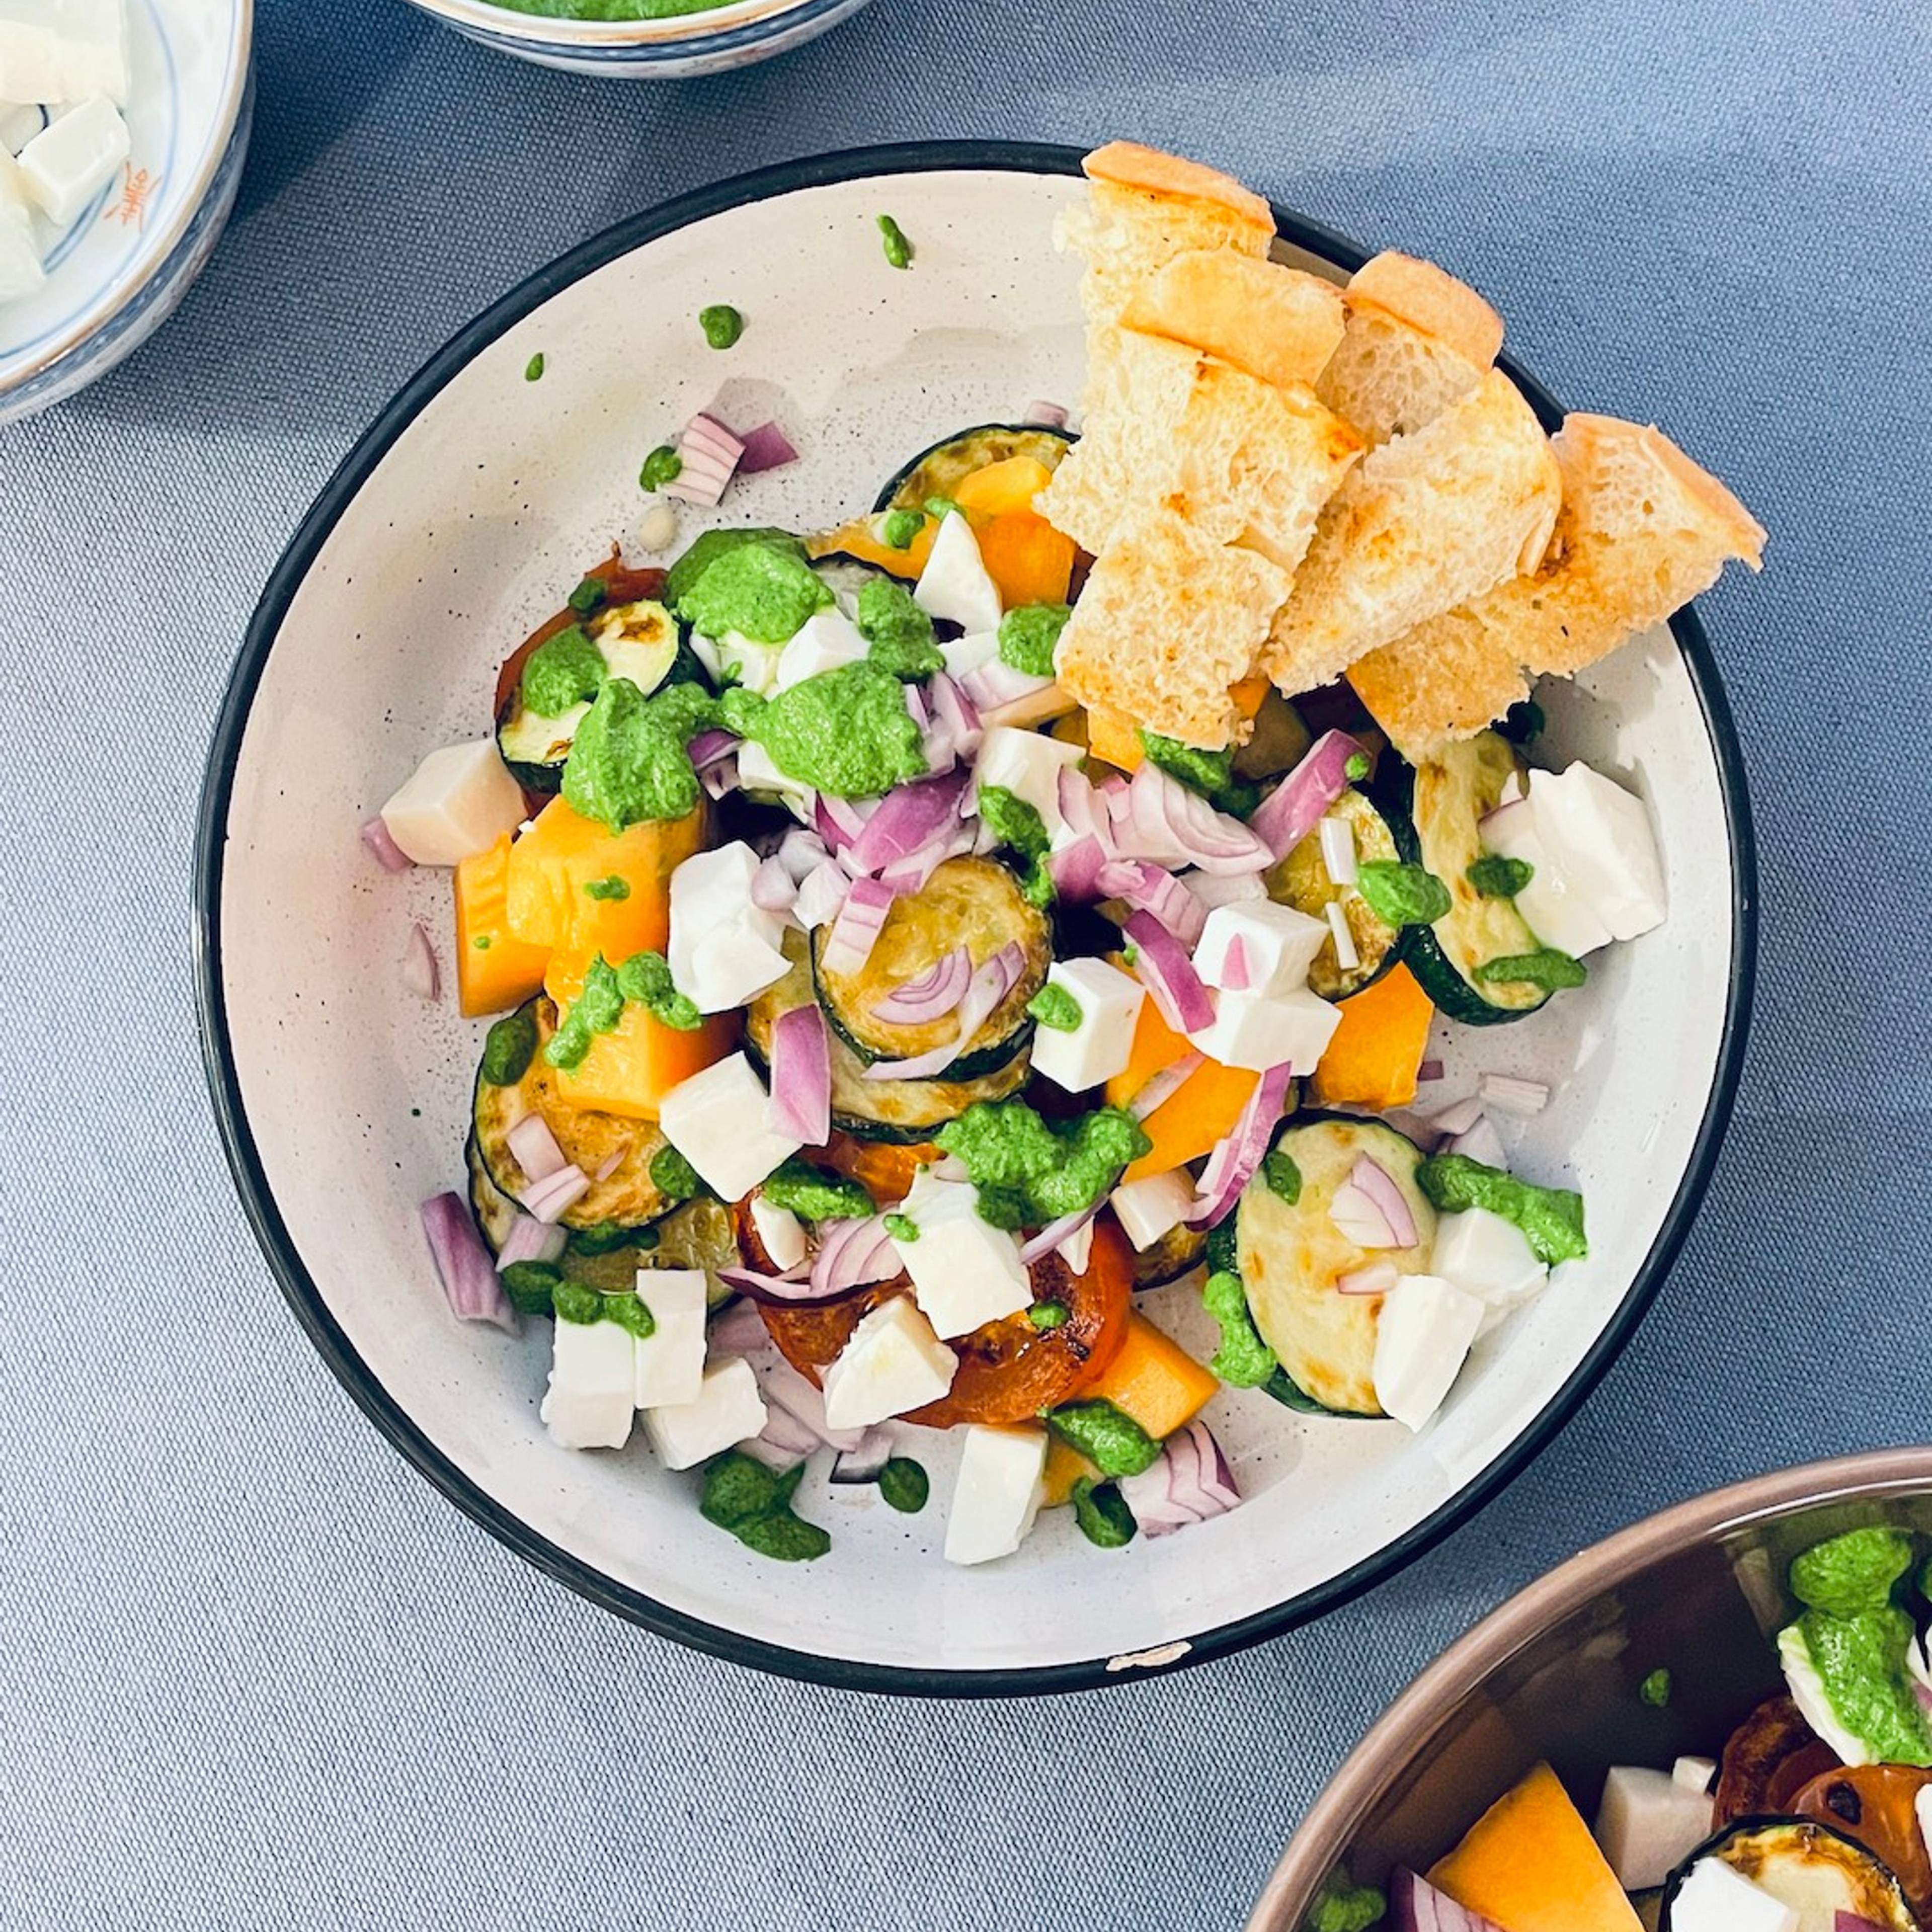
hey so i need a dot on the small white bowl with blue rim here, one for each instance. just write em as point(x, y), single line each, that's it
point(675, 47)
point(120, 267)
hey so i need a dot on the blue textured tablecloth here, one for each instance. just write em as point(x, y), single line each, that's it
point(254, 1671)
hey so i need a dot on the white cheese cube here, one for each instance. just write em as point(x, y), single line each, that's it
point(1554, 910)
point(968, 652)
point(1100, 1044)
point(1422, 1340)
point(998, 1492)
point(893, 1364)
point(724, 949)
point(1696, 1774)
point(1277, 946)
point(671, 1359)
point(18, 126)
point(827, 640)
point(593, 1371)
point(758, 771)
point(728, 1410)
point(781, 1233)
point(717, 1121)
point(1076, 1249)
point(955, 586)
point(1488, 1257)
point(63, 50)
point(1148, 1209)
point(1648, 1824)
point(1600, 837)
point(1258, 1030)
point(1028, 764)
point(739, 660)
point(69, 163)
point(965, 1272)
point(31, 68)
point(1212, 889)
point(21, 271)
point(459, 801)
point(1714, 1898)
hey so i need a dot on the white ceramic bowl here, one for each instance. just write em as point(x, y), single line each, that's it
point(737, 33)
point(444, 535)
point(122, 267)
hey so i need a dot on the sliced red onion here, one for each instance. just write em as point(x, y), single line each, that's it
point(931, 996)
point(720, 778)
point(1459, 1118)
point(852, 1254)
point(801, 853)
point(711, 748)
point(388, 854)
point(1429, 1071)
point(1297, 805)
point(1235, 965)
point(1416, 1905)
point(1232, 1164)
point(849, 944)
point(800, 1106)
point(990, 984)
point(421, 974)
point(838, 819)
point(1164, 1085)
point(1165, 969)
point(1480, 1142)
point(1044, 416)
point(535, 1148)
point(863, 1462)
point(529, 1240)
point(1174, 826)
point(738, 1329)
point(1378, 1278)
point(771, 888)
point(1191, 1483)
point(1850, 1921)
point(1348, 956)
point(906, 818)
point(609, 1166)
point(1147, 887)
point(955, 729)
point(767, 447)
point(995, 683)
point(1084, 807)
point(821, 896)
point(914, 700)
point(785, 1389)
point(761, 1286)
point(910, 873)
point(1506, 1094)
point(546, 1199)
point(1076, 870)
point(709, 454)
point(470, 1284)
point(1055, 1235)
point(1214, 890)
point(1338, 851)
point(783, 1443)
point(1499, 814)
point(1371, 1210)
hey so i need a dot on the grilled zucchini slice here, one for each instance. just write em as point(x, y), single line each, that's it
point(1289, 1258)
point(1450, 796)
point(1177, 1252)
point(907, 1111)
point(976, 903)
point(1817, 1872)
point(638, 641)
point(1301, 880)
point(625, 1198)
point(845, 577)
point(939, 471)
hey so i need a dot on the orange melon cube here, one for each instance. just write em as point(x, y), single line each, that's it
point(629, 1070)
point(495, 971)
point(1374, 1056)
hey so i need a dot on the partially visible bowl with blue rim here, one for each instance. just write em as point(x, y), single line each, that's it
point(674, 46)
point(120, 267)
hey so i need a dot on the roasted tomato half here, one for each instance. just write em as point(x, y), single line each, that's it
point(1767, 1760)
point(621, 586)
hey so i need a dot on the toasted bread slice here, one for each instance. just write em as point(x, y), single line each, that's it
point(1271, 321)
point(1642, 531)
point(1416, 342)
point(1242, 460)
point(1169, 620)
point(1146, 208)
point(1425, 523)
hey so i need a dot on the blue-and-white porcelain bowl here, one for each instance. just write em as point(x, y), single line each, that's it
point(732, 35)
point(124, 265)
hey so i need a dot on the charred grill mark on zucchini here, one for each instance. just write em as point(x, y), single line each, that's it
point(1301, 880)
point(1817, 1872)
point(939, 470)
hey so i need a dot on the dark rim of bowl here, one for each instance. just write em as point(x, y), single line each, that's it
point(509, 38)
point(1415, 1717)
point(356, 1375)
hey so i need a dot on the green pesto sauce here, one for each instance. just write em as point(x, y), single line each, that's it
point(508, 1046)
point(614, 887)
point(1055, 1007)
point(595, 1010)
point(1551, 1218)
point(1860, 1660)
point(1028, 634)
point(1281, 1176)
point(483, 942)
point(902, 1227)
point(904, 1485)
point(1028, 1170)
point(534, 368)
point(846, 731)
point(1047, 1314)
point(1546, 967)
point(1401, 895)
point(1496, 878)
point(754, 1503)
point(1110, 1438)
point(899, 527)
point(674, 1176)
point(1853, 1572)
point(1101, 1514)
point(816, 1193)
point(756, 590)
point(1345, 1907)
point(1013, 822)
point(709, 546)
point(1655, 1689)
point(604, 1237)
point(1210, 773)
point(893, 238)
point(664, 465)
point(567, 669)
point(530, 1285)
point(627, 761)
point(939, 507)
point(645, 977)
point(898, 635)
point(1244, 1360)
point(1356, 768)
point(628, 1312)
point(721, 323)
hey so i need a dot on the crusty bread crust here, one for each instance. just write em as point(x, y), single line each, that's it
point(1274, 322)
point(1431, 300)
point(1591, 447)
point(1445, 680)
point(1148, 171)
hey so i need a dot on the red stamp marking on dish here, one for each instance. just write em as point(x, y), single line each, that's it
point(131, 210)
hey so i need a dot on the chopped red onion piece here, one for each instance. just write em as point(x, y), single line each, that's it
point(1164, 1085)
point(711, 748)
point(801, 853)
point(1174, 826)
point(772, 887)
point(782, 1444)
point(1051, 1237)
point(821, 896)
point(990, 984)
point(1416, 1905)
point(421, 974)
point(956, 731)
point(1191, 1483)
point(719, 778)
point(609, 1165)
point(470, 1284)
point(910, 873)
point(1371, 1209)
point(1085, 809)
point(547, 1198)
point(839, 821)
point(767, 447)
point(1234, 966)
point(849, 945)
point(1429, 1071)
point(789, 1286)
point(1842, 1921)
point(1076, 870)
point(908, 817)
point(1378, 1278)
point(1232, 1164)
point(1296, 806)
point(852, 1254)
point(800, 1106)
point(529, 1240)
point(1347, 957)
point(1458, 1117)
point(995, 683)
point(932, 995)
point(739, 1329)
point(784, 1389)
point(1482, 1143)
point(1165, 969)
point(1044, 416)
point(387, 853)
point(535, 1146)
point(1212, 890)
point(710, 455)
point(1508, 1095)
point(1149, 888)
point(864, 1463)
point(1338, 851)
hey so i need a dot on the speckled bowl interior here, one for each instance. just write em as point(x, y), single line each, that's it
point(449, 532)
